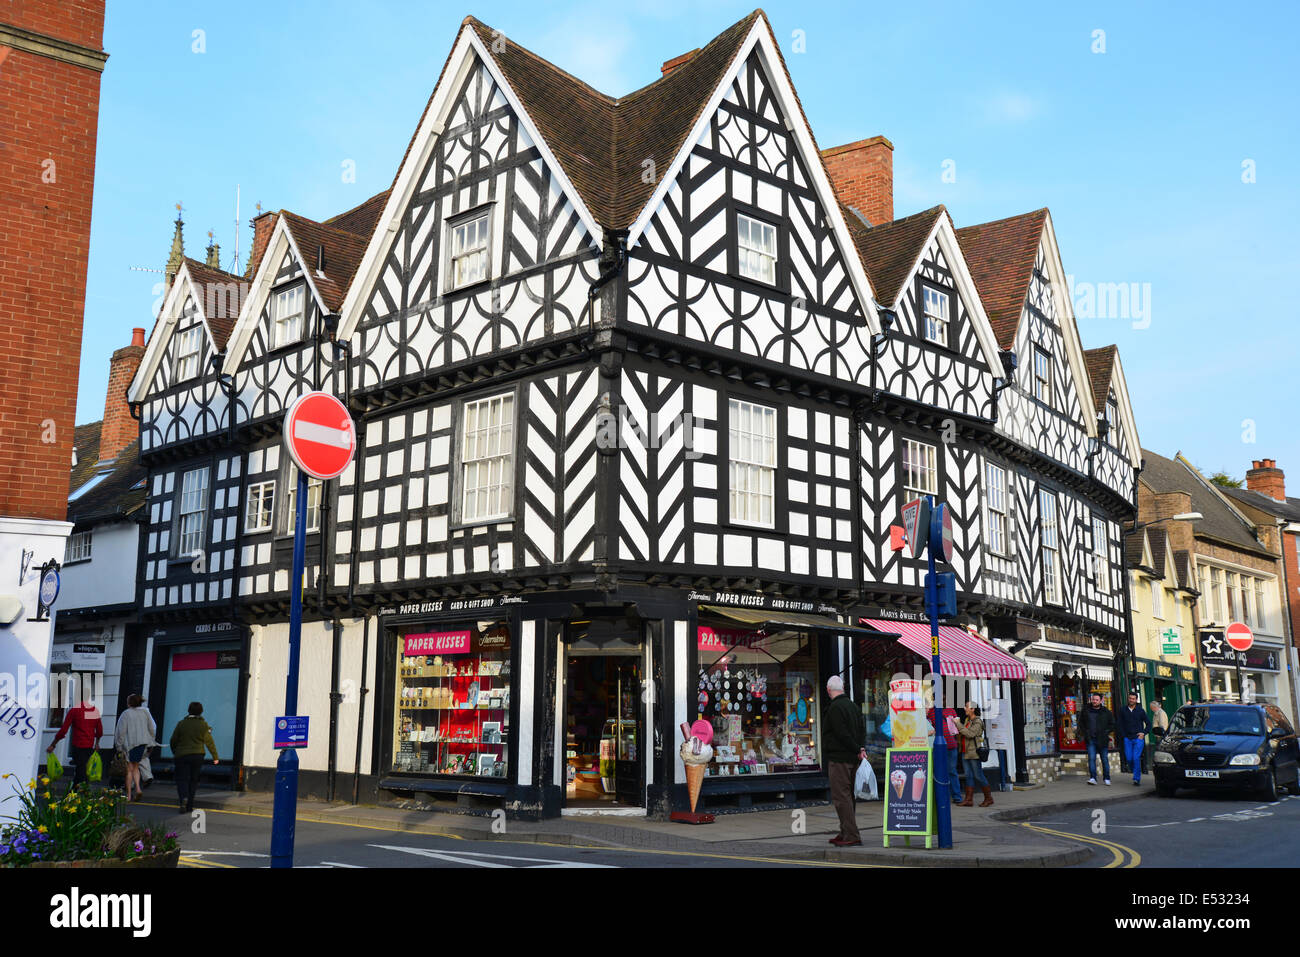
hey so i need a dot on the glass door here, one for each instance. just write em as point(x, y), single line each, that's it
point(629, 774)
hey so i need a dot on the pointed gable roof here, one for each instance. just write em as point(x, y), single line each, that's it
point(1001, 255)
point(1100, 364)
point(343, 252)
point(203, 276)
point(890, 251)
point(601, 142)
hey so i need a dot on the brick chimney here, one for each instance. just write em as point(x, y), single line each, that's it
point(675, 62)
point(1267, 479)
point(119, 429)
point(862, 174)
point(263, 225)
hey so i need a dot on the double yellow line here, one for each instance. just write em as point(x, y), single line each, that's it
point(1121, 856)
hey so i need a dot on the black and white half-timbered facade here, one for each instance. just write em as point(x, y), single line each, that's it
point(639, 393)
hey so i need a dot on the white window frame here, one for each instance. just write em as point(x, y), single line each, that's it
point(487, 459)
point(1216, 605)
point(192, 511)
point(1232, 583)
point(919, 461)
point(315, 491)
point(78, 547)
point(753, 456)
point(1100, 555)
point(753, 251)
point(287, 323)
point(261, 503)
point(1247, 600)
point(189, 349)
point(1157, 599)
point(1041, 385)
point(481, 247)
point(936, 306)
point(1050, 539)
point(996, 517)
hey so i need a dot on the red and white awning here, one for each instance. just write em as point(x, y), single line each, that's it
point(960, 653)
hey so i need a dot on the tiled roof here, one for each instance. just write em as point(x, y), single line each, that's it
point(361, 219)
point(112, 498)
point(1183, 562)
point(1101, 365)
point(1001, 258)
point(890, 250)
point(1290, 509)
point(602, 142)
point(1159, 549)
point(204, 276)
point(343, 252)
point(1220, 522)
point(1133, 549)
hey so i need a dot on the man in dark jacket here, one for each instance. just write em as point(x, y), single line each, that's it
point(1134, 725)
point(1095, 725)
point(842, 746)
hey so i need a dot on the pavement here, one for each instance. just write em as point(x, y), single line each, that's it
point(982, 837)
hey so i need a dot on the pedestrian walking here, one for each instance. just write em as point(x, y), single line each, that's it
point(952, 740)
point(87, 728)
point(972, 733)
point(191, 736)
point(1096, 725)
point(1159, 720)
point(135, 734)
point(843, 740)
point(1133, 728)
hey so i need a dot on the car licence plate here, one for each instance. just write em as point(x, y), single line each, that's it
point(1202, 774)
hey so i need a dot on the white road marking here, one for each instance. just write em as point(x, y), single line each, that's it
point(1195, 819)
point(188, 853)
point(338, 864)
point(467, 857)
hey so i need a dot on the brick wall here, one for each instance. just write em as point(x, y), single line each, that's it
point(862, 174)
point(47, 171)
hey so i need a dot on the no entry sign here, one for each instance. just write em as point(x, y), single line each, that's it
point(319, 434)
point(1239, 636)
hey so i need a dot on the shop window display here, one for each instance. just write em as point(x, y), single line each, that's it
point(453, 701)
point(1073, 693)
point(761, 694)
point(1040, 718)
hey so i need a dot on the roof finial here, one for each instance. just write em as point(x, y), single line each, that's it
point(214, 253)
point(177, 254)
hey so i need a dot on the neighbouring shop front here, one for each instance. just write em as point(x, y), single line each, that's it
point(204, 662)
point(1255, 675)
point(571, 703)
point(1173, 685)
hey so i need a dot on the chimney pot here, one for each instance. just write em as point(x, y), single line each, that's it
point(862, 175)
point(1267, 479)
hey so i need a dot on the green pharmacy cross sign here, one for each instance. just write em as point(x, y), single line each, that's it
point(1171, 642)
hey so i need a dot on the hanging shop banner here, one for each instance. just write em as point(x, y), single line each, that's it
point(720, 639)
point(438, 643)
point(907, 722)
point(909, 794)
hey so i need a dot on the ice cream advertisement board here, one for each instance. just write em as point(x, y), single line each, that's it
point(909, 794)
point(907, 722)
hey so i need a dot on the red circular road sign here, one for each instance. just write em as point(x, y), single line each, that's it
point(946, 542)
point(1239, 636)
point(319, 435)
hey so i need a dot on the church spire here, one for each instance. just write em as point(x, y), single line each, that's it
point(178, 250)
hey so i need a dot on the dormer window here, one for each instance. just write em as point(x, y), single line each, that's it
point(286, 317)
point(935, 305)
point(469, 249)
point(756, 249)
point(189, 344)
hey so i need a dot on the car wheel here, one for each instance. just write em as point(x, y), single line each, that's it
point(1269, 791)
point(1165, 790)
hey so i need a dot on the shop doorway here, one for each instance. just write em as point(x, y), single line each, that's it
point(604, 767)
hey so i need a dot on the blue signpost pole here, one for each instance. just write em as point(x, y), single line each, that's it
point(285, 810)
point(943, 812)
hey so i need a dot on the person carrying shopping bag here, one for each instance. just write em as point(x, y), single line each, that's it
point(972, 733)
point(134, 735)
point(87, 728)
point(191, 736)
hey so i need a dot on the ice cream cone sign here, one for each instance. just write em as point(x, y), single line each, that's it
point(696, 755)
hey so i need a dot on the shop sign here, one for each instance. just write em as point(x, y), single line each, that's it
point(892, 614)
point(1140, 667)
point(437, 643)
point(1187, 674)
point(80, 657)
point(909, 793)
point(760, 602)
point(205, 660)
point(203, 629)
point(907, 722)
point(497, 637)
point(1215, 651)
point(720, 639)
point(1171, 642)
point(1164, 671)
point(1261, 659)
point(459, 604)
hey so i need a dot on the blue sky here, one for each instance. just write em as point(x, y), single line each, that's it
point(1137, 150)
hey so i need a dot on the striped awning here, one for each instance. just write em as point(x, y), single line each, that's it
point(960, 653)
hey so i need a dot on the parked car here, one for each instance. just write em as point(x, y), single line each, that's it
point(1218, 746)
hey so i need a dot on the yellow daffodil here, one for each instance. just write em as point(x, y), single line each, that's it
point(47, 795)
point(42, 828)
point(45, 780)
point(31, 785)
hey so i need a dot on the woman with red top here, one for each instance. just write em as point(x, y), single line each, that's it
point(87, 728)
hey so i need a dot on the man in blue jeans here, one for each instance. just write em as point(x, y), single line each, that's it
point(1095, 725)
point(1133, 728)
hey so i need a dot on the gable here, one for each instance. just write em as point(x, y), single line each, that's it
point(182, 308)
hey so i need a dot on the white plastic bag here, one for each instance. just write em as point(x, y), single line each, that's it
point(864, 782)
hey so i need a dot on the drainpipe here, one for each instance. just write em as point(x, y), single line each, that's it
point(609, 270)
point(335, 697)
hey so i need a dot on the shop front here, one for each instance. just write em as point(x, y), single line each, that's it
point(1065, 670)
point(1173, 685)
point(204, 662)
point(1256, 675)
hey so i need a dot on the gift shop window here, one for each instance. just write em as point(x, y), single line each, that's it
point(453, 700)
point(760, 692)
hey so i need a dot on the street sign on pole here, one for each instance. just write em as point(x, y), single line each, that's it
point(916, 524)
point(1239, 636)
point(930, 531)
point(321, 439)
point(945, 539)
point(291, 731)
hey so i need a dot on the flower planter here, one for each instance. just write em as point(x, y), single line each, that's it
point(167, 859)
